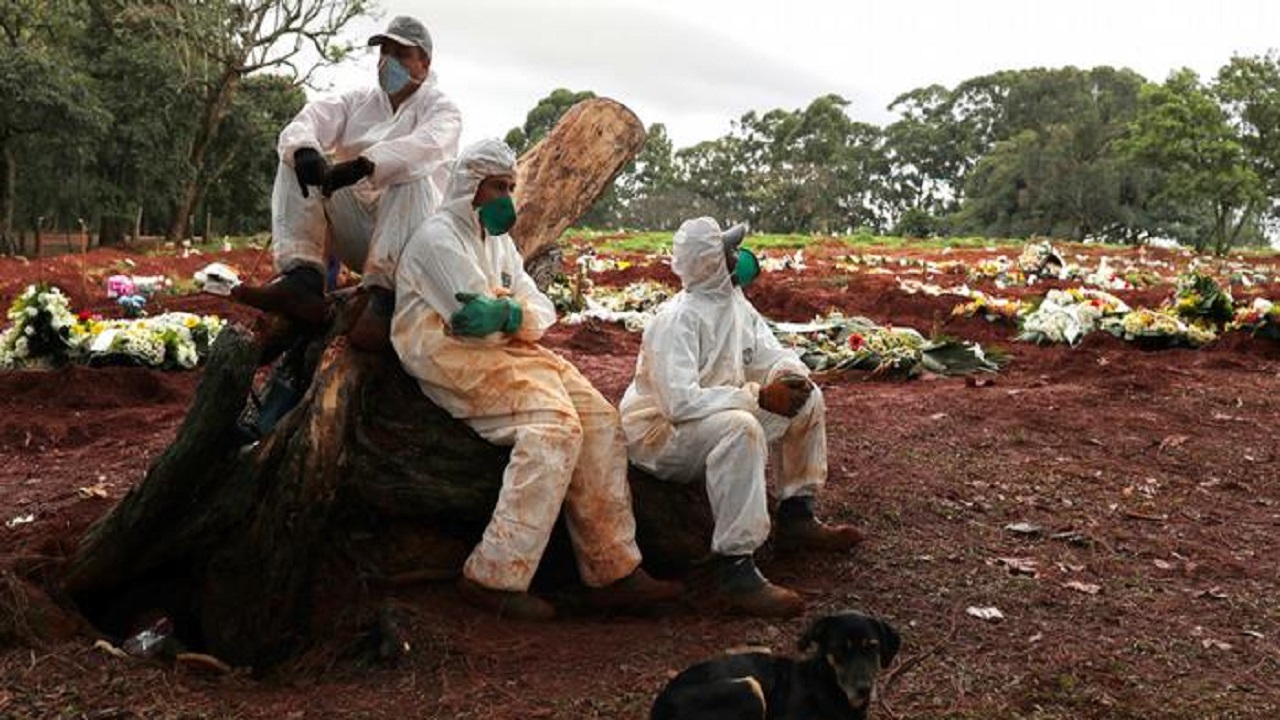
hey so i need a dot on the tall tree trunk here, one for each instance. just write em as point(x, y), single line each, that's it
point(193, 189)
point(8, 187)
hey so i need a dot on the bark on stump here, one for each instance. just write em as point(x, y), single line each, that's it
point(365, 481)
point(562, 176)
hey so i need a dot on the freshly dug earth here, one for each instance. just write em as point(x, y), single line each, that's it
point(1139, 578)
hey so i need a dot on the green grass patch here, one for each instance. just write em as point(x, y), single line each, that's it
point(655, 242)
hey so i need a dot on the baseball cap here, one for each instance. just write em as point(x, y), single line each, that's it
point(407, 31)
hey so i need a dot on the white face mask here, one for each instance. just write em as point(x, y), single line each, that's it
point(392, 75)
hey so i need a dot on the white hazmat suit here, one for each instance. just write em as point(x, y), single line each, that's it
point(411, 147)
point(567, 445)
point(693, 406)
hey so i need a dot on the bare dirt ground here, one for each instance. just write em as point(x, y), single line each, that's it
point(1143, 582)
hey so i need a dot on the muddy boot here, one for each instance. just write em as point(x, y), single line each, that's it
point(634, 591)
point(297, 294)
point(371, 332)
point(734, 584)
point(796, 528)
point(506, 603)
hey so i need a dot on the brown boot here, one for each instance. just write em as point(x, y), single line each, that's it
point(733, 583)
point(634, 591)
point(796, 528)
point(371, 332)
point(297, 294)
point(506, 603)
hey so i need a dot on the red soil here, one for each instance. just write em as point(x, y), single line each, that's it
point(1151, 475)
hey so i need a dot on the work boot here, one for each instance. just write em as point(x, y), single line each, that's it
point(372, 330)
point(796, 528)
point(297, 293)
point(635, 590)
point(733, 583)
point(506, 603)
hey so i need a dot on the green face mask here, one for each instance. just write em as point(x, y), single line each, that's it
point(748, 268)
point(498, 215)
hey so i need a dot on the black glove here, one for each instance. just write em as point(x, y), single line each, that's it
point(311, 168)
point(346, 173)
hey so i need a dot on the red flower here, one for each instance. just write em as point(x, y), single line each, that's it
point(84, 315)
point(856, 341)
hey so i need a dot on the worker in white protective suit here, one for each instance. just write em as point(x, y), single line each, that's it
point(467, 323)
point(716, 395)
point(392, 148)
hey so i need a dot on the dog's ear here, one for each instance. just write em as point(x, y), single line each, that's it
point(889, 641)
point(816, 633)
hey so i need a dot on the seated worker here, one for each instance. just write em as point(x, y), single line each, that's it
point(715, 394)
point(467, 323)
point(393, 146)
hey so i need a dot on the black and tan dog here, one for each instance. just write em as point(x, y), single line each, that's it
point(835, 682)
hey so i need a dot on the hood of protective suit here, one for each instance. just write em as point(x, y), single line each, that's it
point(474, 164)
point(697, 256)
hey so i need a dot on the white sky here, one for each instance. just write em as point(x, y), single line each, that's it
point(696, 65)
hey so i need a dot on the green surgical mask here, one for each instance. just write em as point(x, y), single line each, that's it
point(498, 215)
point(748, 268)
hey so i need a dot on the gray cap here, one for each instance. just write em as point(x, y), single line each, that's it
point(732, 237)
point(407, 31)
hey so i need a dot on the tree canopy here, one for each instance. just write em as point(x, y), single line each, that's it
point(173, 122)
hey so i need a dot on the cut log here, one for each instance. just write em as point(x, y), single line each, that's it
point(562, 176)
point(363, 484)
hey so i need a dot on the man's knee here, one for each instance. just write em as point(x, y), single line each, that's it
point(741, 429)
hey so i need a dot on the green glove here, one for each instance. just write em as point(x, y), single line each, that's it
point(481, 315)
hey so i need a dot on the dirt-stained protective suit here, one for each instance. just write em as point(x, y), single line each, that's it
point(693, 406)
point(412, 149)
point(567, 445)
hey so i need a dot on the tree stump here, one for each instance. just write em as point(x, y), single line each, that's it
point(363, 483)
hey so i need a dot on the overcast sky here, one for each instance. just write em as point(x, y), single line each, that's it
point(696, 65)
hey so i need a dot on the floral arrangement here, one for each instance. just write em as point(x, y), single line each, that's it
point(1198, 298)
point(1000, 270)
point(1261, 317)
point(633, 305)
point(40, 329)
point(836, 343)
point(994, 309)
point(175, 340)
point(566, 293)
point(1039, 258)
point(770, 263)
point(1066, 316)
point(1156, 328)
point(44, 333)
point(1104, 276)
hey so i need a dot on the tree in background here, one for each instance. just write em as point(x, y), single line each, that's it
point(1249, 90)
point(1054, 168)
point(1205, 191)
point(543, 117)
point(43, 88)
point(242, 176)
point(224, 41)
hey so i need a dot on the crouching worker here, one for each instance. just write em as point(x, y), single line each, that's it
point(716, 395)
point(467, 323)
point(392, 146)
